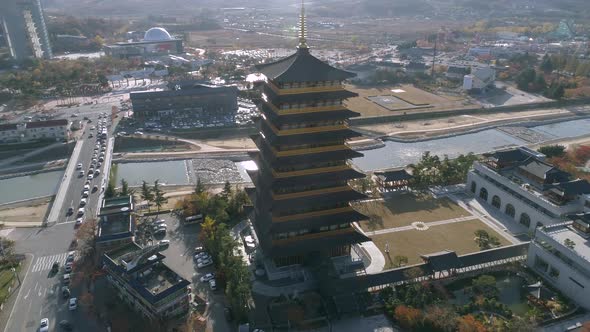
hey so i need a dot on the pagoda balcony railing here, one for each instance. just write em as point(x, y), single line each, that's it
point(310, 171)
point(310, 192)
point(308, 109)
point(306, 130)
point(313, 236)
point(296, 152)
point(318, 213)
point(291, 91)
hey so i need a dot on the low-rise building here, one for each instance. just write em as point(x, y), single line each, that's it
point(143, 281)
point(186, 104)
point(528, 189)
point(479, 80)
point(560, 253)
point(414, 68)
point(457, 72)
point(116, 225)
point(156, 42)
point(54, 130)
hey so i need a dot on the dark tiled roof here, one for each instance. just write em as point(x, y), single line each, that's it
point(396, 175)
point(301, 66)
point(317, 244)
point(576, 187)
point(458, 70)
point(442, 260)
point(48, 123)
point(319, 221)
point(509, 156)
point(7, 126)
point(536, 167)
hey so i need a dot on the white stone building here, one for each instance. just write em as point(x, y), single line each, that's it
point(480, 79)
point(527, 189)
point(55, 130)
point(560, 253)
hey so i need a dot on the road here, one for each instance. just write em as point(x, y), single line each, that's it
point(40, 293)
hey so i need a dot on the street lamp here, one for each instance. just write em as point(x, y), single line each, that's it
point(16, 275)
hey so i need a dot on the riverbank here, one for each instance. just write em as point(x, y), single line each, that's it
point(32, 169)
point(26, 213)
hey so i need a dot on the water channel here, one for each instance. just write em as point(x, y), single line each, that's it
point(393, 154)
point(29, 186)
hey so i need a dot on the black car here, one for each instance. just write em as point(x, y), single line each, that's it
point(65, 292)
point(70, 211)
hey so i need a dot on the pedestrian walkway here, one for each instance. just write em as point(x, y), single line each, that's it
point(426, 225)
point(46, 262)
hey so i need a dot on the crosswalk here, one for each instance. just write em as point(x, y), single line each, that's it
point(46, 262)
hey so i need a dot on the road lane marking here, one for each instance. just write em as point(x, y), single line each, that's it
point(46, 262)
point(29, 292)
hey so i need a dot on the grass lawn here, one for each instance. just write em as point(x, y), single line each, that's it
point(6, 277)
point(404, 209)
point(458, 237)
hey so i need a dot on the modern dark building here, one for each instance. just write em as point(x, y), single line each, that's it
point(186, 104)
point(145, 283)
point(302, 198)
point(116, 226)
point(156, 42)
point(23, 23)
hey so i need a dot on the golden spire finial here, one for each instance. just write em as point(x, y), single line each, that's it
point(302, 40)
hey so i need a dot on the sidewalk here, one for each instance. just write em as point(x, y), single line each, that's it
point(6, 310)
point(56, 207)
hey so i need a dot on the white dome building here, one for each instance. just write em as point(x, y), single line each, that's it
point(157, 34)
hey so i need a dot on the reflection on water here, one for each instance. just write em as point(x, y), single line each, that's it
point(167, 172)
point(510, 293)
point(396, 154)
point(24, 187)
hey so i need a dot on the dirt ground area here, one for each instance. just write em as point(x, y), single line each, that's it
point(458, 237)
point(404, 209)
point(410, 95)
point(231, 143)
point(27, 214)
point(440, 125)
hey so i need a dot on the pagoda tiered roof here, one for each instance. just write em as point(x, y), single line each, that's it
point(301, 66)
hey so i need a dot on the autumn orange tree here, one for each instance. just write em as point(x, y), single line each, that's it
point(408, 317)
point(468, 323)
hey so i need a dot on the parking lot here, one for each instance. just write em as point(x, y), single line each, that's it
point(179, 257)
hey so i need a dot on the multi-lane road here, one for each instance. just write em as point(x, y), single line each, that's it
point(40, 296)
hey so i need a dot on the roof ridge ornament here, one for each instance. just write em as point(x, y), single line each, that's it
point(302, 39)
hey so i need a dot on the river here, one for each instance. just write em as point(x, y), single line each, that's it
point(30, 186)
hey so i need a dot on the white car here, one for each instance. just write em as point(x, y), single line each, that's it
point(86, 187)
point(203, 258)
point(44, 327)
point(73, 303)
point(201, 255)
point(83, 201)
point(213, 284)
point(164, 243)
point(80, 212)
point(205, 263)
point(79, 221)
point(90, 176)
point(79, 166)
point(85, 194)
point(207, 277)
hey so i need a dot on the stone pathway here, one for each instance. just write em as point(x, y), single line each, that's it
point(421, 225)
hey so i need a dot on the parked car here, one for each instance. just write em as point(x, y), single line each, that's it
point(83, 202)
point(44, 327)
point(80, 212)
point(55, 267)
point(164, 243)
point(73, 304)
point(68, 268)
point(85, 194)
point(213, 284)
point(66, 279)
point(201, 255)
point(70, 256)
point(79, 221)
point(65, 292)
point(203, 258)
point(205, 263)
point(207, 277)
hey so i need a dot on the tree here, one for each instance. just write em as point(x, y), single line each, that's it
point(407, 317)
point(468, 323)
point(125, 191)
point(147, 193)
point(484, 284)
point(226, 193)
point(86, 238)
point(110, 191)
point(159, 198)
point(552, 150)
point(484, 240)
point(569, 243)
point(199, 188)
point(546, 64)
point(400, 260)
point(525, 78)
point(442, 318)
